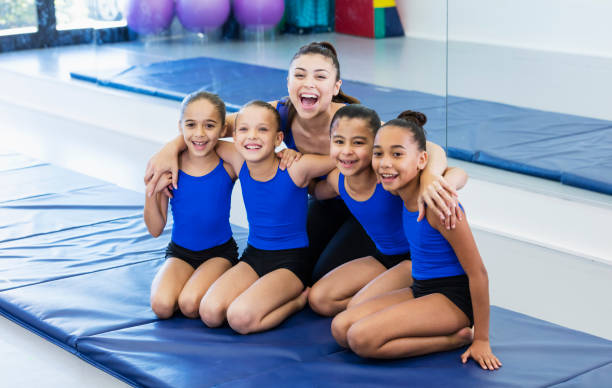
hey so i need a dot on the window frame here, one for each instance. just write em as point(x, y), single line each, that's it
point(49, 36)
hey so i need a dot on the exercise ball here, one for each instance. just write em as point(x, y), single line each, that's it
point(259, 13)
point(202, 15)
point(149, 16)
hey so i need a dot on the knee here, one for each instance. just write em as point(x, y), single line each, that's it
point(241, 319)
point(162, 307)
point(212, 312)
point(361, 342)
point(339, 327)
point(320, 301)
point(189, 305)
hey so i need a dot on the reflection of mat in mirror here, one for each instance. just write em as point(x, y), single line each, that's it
point(566, 148)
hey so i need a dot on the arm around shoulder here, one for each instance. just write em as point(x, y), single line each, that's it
point(308, 167)
point(327, 188)
point(227, 151)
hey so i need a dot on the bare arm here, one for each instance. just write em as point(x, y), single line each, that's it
point(156, 209)
point(462, 241)
point(166, 160)
point(227, 151)
point(310, 166)
point(435, 192)
point(327, 188)
point(456, 177)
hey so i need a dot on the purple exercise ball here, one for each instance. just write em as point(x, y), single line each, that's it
point(149, 16)
point(259, 13)
point(200, 15)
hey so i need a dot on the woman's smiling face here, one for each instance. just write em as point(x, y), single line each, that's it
point(312, 83)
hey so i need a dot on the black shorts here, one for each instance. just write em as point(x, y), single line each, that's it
point(265, 261)
point(455, 288)
point(335, 236)
point(391, 260)
point(227, 250)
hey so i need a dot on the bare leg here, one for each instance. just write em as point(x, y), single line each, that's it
point(395, 278)
point(197, 285)
point(214, 304)
point(343, 321)
point(414, 327)
point(334, 291)
point(267, 302)
point(167, 286)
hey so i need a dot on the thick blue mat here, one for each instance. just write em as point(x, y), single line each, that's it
point(571, 149)
point(83, 283)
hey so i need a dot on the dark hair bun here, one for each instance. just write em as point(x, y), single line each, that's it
point(328, 46)
point(416, 117)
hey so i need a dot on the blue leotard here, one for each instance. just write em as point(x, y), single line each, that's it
point(381, 217)
point(201, 208)
point(432, 256)
point(283, 110)
point(276, 211)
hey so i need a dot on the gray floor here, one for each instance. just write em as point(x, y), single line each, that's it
point(525, 277)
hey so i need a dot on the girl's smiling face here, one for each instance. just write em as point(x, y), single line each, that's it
point(312, 83)
point(351, 145)
point(256, 134)
point(201, 127)
point(397, 159)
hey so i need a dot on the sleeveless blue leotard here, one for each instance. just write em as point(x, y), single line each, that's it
point(201, 209)
point(276, 211)
point(432, 256)
point(283, 110)
point(381, 217)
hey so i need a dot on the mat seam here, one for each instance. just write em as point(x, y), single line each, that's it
point(73, 227)
point(578, 374)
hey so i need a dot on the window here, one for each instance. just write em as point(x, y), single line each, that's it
point(17, 17)
point(26, 24)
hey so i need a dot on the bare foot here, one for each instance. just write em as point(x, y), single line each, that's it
point(462, 337)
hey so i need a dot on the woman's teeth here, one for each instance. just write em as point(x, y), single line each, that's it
point(308, 99)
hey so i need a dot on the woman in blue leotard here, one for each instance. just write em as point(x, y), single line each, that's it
point(315, 95)
point(450, 289)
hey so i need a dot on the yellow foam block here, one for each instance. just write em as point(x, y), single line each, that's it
point(384, 3)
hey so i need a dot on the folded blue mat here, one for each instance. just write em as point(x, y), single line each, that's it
point(86, 288)
point(499, 135)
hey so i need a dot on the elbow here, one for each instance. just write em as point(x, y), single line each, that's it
point(481, 275)
point(155, 232)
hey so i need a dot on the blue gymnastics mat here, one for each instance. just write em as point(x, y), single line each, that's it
point(80, 277)
point(570, 149)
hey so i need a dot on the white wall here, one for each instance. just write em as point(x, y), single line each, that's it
point(576, 26)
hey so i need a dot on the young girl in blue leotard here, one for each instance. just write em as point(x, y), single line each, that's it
point(269, 283)
point(450, 289)
point(202, 247)
point(377, 210)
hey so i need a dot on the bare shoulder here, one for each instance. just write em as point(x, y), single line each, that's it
point(336, 105)
point(332, 179)
point(230, 170)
